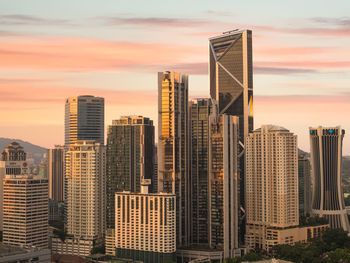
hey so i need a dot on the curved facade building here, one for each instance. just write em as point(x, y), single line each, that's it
point(326, 162)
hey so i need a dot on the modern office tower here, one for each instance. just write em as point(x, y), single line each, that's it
point(326, 162)
point(231, 85)
point(85, 172)
point(199, 112)
point(173, 174)
point(304, 181)
point(271, 183)
point(223, 184)
point(130, 145)
point(145, 227)
point(55, 169)
point(155, 170)
point(84, 119)
point(12, 162)
point(25, 211)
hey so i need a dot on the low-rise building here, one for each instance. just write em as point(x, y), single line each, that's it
point(24, 254)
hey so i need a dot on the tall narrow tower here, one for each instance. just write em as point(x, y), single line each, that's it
point(55, 168)
point(326, 162)
point(231, 85)
point(173, 176)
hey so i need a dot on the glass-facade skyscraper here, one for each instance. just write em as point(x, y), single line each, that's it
point(84, 119)
point(173, 174)
point(130, 145)
point(231, 86)
point(326, 145)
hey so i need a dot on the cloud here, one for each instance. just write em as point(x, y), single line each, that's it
point(23, 20)
point(281, 71)
point(340, 22)
point(306, 64)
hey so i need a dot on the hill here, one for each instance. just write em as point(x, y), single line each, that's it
point(28, 147)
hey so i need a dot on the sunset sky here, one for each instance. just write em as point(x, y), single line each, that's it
point(50, 50)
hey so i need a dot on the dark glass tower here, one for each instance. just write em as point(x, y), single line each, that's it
point(326, 161)
point(231, 85)
point(130, 146)
point(199, 112)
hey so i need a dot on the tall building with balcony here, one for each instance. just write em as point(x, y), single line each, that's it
point(231, 86)
point(12, 162)
point(55, 169)
point(85, 175)
point(326, 145)
point(145, 226)
point(271, 184)
point(173, 171)
point(84, 119)
point(130, 145)
point(304, 181)
point(25, 207)
point(199, 124)
point(223, 184)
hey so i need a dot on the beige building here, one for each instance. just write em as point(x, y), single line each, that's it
point(145, 222)
point(271, 183)
point(85, 200)
point(25, 211)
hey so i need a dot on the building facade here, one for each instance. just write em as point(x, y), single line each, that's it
point(145, 226)
point(85, 175)
point(271, 183)
point(173, 171)
point(12, 162)
point(305, 186)
point(223, 184)
point(199, 123)
point(326, 162)
point(130, 145)
point(55, 168)
point(231, 86)
point(26, 208)
point(84, 119)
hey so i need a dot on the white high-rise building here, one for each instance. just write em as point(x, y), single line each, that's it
point(271, 183)
point(25, 211)
point(85, 200)
point(145, 225)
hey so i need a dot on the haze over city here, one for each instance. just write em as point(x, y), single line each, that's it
point(112, 49)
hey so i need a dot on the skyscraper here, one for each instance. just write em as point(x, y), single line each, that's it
point(130, 145)
point(271, 183)
point(173, 175)
point(231, 86)
point(25, 210)
point(223, 184)
point(85, 175)
point(12, 162)
point(84, 119)
point(199, 124)
point(326, 145)
point(304, 181)
point(55, 168)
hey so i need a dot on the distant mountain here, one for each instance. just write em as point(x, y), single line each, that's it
point(28, 147)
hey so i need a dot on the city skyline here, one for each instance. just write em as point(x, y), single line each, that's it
point(300, 72)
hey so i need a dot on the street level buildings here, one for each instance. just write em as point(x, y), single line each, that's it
point(130, 146)
point(84, 119)
point(173, 156)
point(231, 86)
point(326, 161)
point(271, 184)
point(25, 211)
